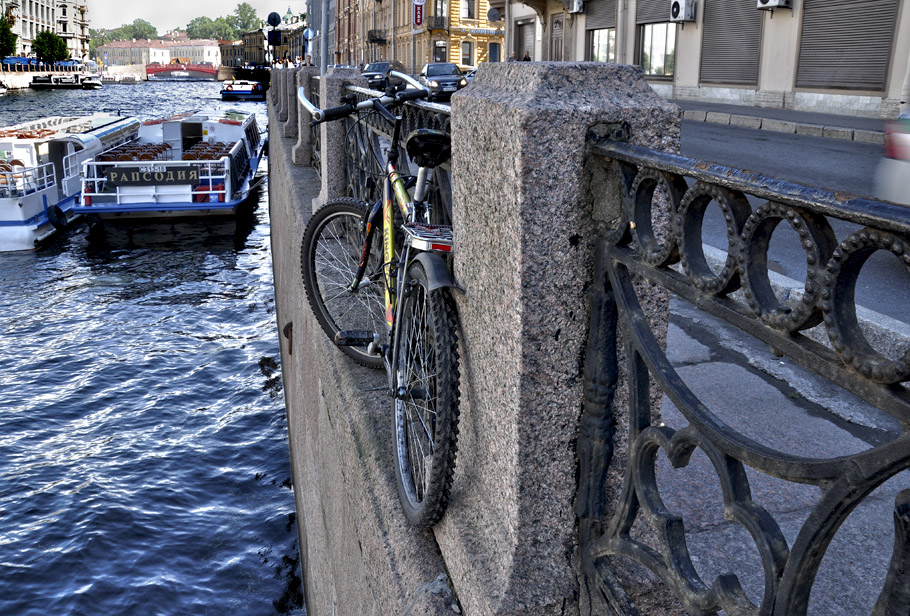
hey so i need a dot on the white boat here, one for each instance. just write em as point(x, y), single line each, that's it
point(242, 90)
point(40, 172)
point(201, 163)
point(2, 89)
point(92, 82)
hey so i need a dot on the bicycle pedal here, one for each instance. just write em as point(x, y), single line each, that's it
point(353, 337)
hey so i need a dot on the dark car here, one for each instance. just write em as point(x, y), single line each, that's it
point(377, 73)
point(442, 79)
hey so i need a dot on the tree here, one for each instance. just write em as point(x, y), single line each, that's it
point(245, 19)
point(200, 27)
point(7, 39)
point(141, 29)
point(49, 47)
point(224, 29)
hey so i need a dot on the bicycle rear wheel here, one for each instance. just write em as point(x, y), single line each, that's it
point(329, 256)
point(426, 401)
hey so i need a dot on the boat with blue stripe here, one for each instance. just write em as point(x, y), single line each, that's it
point(199, 163)
point(40, 172)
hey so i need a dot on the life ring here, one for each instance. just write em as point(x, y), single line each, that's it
point(230, 88)
point(232, 122)
point(152, 122)
point(57, 217)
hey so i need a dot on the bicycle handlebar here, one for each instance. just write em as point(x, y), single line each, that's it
point(334, 113)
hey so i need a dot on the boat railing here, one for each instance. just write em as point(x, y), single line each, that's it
point(156, 181)
point(16, 181)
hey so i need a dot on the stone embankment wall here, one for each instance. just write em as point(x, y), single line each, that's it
point(525, 225)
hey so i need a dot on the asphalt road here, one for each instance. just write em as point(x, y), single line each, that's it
point(884, 283)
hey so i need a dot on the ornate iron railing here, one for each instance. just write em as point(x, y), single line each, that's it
point(741, 293)
point(365, 140)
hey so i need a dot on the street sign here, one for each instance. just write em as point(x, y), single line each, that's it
point(308, 34)
point(420, 2)
point(418, 14)
point(274, 19)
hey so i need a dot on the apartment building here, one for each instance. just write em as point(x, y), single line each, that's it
point(66, 18)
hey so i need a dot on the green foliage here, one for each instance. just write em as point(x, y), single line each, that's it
point(7, 39)
point(50, 47)
point(207, 28)
point(245, 19)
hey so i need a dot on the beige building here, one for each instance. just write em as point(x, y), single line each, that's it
point(125, 53)
point(817, 55)
point(66, 18)
point(231, 53)
point(198, 51)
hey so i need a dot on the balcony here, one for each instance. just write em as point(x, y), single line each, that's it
point(437, 22)
point(376, 37)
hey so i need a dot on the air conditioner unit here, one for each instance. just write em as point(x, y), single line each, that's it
point(682, 10)
point(577, 6)
point(774, 4)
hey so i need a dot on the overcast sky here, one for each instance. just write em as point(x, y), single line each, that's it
point(169, 14)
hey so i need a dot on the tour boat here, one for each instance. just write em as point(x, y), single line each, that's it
point(242, 90)
point(200, 163)
point(68, 81)
point(40, 167)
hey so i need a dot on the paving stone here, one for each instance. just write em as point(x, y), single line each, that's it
point(835, 132)
point(745, 121)
point(716, 117)
point(815, 130)
point(778, 126)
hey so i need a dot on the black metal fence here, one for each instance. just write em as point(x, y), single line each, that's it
point(741, 293)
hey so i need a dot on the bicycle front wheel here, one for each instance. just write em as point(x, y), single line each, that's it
point(426, 398)
point(329, 257)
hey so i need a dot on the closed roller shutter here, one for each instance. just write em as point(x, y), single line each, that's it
point(600, 14)
point(524, 39)
point(731, 41)
point(652, 11)
point(846, 44)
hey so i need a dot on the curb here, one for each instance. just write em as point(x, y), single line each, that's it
point(784, 126)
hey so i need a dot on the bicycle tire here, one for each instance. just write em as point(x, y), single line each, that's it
point(426, 384)
point(329, 257)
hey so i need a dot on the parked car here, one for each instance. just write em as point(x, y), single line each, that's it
point(377, 73)
point(892, 177)
point(469, 72)
point(442, 79)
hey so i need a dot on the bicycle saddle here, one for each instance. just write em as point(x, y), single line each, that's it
point(428, 147)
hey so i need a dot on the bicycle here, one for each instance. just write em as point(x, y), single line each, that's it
point(391, 306)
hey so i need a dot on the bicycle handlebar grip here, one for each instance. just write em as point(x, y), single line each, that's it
point(410, 95)
point(333, 113)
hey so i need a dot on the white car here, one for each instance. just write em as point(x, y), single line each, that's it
point(892, 178)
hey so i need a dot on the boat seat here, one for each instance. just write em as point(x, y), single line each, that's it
point(15, 162)
point(146, 156)
point(125, 157)
point(190, 156)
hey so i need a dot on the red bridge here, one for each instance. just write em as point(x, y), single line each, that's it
point(181, 71)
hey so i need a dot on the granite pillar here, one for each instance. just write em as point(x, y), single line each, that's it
point(289, 126)
point(525, 223)
point(331, 90)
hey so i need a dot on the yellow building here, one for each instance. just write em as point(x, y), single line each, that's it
point(455, 31)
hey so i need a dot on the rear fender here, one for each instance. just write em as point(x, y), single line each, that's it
point(438, 275)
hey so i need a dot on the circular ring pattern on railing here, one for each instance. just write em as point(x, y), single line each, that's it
point(839, 305)
point(690, 219)
point(656, 252)
point(817, 240)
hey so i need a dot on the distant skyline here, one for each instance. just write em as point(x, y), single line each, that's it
point(169, 14)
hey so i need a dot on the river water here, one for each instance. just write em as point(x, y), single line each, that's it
point(143, 440)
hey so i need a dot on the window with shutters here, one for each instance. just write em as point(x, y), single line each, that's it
point(846, 44)
point(731, 42)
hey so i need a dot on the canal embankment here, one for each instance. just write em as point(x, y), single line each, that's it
point(339, 429)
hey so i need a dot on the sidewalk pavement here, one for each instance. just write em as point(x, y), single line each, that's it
point(834, 126)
